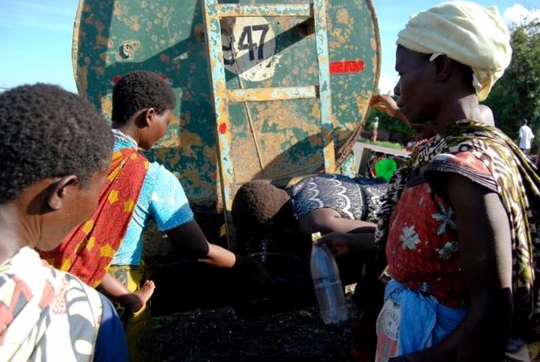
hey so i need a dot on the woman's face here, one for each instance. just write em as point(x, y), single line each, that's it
point(415, 89)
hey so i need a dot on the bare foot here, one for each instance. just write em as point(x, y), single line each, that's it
point(146, 291)
point(135, 301)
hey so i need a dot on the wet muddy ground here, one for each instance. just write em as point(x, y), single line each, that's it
point(218, 335)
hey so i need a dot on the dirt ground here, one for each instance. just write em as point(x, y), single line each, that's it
point(218, 335)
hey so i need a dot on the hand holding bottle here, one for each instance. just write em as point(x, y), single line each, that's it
point(337, 242)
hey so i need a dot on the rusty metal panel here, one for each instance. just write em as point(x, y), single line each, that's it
point(212, 18)
point(277, 140)
point(236, 10)
point(325, 95)
point(221, 107)
point(272, 94)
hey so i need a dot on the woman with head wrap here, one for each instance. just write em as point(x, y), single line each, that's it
point(458, 225)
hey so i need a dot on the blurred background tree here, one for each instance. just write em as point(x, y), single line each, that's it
point(514, 97)
point(517, 94)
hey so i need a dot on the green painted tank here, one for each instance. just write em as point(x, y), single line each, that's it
point(279, 139)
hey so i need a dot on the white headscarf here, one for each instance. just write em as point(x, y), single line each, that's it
point(466, 32)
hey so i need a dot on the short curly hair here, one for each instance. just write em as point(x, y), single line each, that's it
point(139, 90)
point(48, 132)
point(258, 203)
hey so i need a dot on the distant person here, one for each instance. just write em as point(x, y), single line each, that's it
point(374, 129)
point(525, 137)
point(56, 148)
point(107, 249)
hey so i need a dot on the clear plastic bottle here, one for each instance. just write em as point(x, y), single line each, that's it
point(327, 284)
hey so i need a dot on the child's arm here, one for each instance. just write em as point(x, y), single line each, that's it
point(190, 238)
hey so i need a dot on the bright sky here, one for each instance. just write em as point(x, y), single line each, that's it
point(36, 36)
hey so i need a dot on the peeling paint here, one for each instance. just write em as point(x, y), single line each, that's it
point(342, 15)
point(106, 104)
point(316, 111)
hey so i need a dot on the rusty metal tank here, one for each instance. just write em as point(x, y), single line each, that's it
point(278, 139)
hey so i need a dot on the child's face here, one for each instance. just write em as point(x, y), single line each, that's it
point(156, 129)
point(416, 98)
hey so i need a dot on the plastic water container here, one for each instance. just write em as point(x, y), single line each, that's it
point(327, 284)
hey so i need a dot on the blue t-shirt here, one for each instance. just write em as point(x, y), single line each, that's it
point(162, 199)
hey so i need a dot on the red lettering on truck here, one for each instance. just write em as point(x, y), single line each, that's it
point(347, 66)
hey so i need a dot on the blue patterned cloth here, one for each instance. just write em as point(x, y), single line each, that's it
point(162, 199)
point(353, 198)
